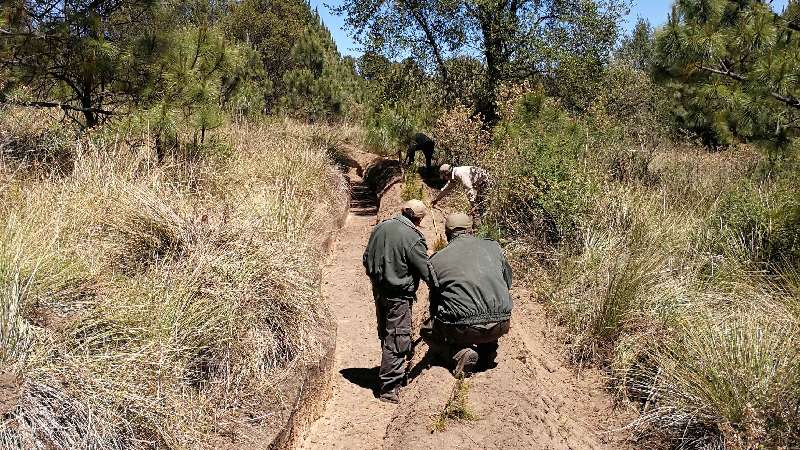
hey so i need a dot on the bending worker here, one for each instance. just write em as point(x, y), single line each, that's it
point(470, 301)
point(421, 142)
point(475, 181)
point(395, 260)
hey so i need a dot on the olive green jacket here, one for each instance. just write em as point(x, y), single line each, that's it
point(470, 282)
point(396, 257)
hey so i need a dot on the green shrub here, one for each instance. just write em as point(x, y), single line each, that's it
point(760, 220)
point(541, 189)
point(389, 131)
point(412, 186)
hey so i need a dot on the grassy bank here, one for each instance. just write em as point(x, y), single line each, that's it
point(151, 298)
point(672, 267)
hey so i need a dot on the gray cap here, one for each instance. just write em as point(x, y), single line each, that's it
point(458, 221)
point(414, 208)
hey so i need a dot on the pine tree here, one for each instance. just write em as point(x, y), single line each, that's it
point(637, 49)
point(76, 55)
point(733, 67)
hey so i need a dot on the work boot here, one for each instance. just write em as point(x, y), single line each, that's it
point(391, 396)
point(466, 359)
point(488, 354)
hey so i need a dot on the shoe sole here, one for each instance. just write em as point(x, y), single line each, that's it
point(465, 365)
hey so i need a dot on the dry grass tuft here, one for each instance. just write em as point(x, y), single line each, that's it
point(151, 302)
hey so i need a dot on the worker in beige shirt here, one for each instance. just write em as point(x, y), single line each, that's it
point(476, 183)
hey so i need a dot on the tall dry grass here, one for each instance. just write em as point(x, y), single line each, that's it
point(159, 302)
point(672, 268)
point(666, 297)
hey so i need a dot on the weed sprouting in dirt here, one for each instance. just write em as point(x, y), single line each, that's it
point(456, 408)
point(413, 188)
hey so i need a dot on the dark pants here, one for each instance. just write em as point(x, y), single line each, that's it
point(427, 150)
point(446, 340)
point(394, 331)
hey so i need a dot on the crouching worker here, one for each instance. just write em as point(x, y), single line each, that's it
point(470, 300)
point(476, 182)
point(395, 260)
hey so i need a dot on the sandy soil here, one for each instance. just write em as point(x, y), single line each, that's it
point(532, 399)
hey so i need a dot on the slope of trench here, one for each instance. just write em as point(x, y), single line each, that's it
point(532, 399)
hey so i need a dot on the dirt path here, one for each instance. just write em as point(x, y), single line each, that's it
point(353, 418)
point(531, 400)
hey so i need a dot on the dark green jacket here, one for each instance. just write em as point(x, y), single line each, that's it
point(396, 257)
point(470, 279)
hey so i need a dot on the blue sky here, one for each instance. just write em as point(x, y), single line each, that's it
point(655, 11)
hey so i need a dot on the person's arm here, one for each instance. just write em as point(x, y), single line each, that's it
point(433, 292)
point(506, 271)
point(445, 190)
point(418, 260)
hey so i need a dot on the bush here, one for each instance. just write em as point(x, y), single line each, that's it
point(760, 220)
point(652, 255)
point(460, 138)
point(32, 140)
point(729, 378)
point(412, 186)
point(541, 192)
point(390, 130)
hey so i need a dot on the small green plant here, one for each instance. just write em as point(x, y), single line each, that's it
point(412, 187)
point(456, 407)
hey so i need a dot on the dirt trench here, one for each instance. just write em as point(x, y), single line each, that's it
point(532, 399)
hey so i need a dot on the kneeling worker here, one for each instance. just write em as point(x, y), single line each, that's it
point(395, 260)
point(470, 299)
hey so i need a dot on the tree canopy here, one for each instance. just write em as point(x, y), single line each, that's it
point(568, 41)
point(734, 66)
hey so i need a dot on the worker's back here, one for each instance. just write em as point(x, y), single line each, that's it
point(422, 140)
point(389, 259)
point(471, 281)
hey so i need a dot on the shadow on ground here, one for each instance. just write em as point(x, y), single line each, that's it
point(362, 377)
point(431, 177)
point(363, 201)
point(344, 161)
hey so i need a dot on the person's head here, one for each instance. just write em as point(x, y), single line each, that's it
point(414, 210)
point(445, 172)
point(456, 224)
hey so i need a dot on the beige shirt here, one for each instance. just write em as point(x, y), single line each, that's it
point(459, 175)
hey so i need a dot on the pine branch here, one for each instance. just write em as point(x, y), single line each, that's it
point(790, 101)
point(789, 23)
point(63, 106)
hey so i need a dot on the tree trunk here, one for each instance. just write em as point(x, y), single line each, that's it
point(88, 113)
point(490, 23)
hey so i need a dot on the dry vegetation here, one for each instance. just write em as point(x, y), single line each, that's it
point(673, 268)
point(155, 302)
point(676, 300)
